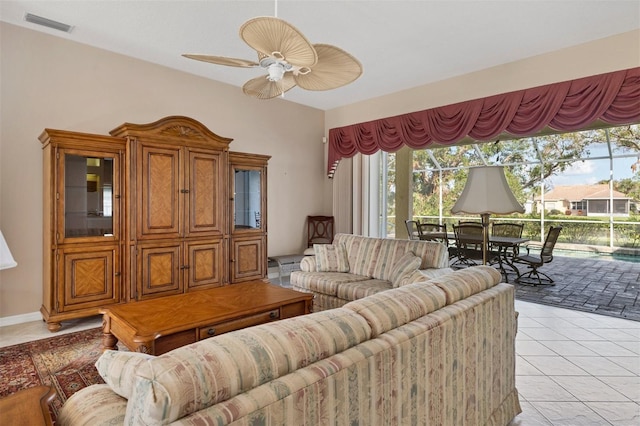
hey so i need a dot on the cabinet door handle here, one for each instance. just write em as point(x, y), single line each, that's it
point(211, 331)
point(117, 274)
point(273, 314)
point(184, 191)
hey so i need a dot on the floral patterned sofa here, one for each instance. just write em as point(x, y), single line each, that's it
point(354, 266)
point(436, 352)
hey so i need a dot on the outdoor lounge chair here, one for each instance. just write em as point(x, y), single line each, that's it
point(533, 262)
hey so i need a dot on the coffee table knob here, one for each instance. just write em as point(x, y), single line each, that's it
point(211, 331)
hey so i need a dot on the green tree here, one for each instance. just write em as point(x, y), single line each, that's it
point(529, 160)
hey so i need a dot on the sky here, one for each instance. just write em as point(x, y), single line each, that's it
point(592, 171)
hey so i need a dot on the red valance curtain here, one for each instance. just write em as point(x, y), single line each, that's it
point(567, 106)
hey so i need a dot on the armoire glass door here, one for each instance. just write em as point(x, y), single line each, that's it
point(88, 195)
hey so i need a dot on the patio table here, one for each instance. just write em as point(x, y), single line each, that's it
point(502, 243)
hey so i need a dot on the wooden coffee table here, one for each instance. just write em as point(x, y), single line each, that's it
point(159, 325)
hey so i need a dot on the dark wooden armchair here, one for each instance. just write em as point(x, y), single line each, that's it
point(320, 230)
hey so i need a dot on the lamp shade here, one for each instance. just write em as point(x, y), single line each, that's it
point(6, 260)
point(487, 192)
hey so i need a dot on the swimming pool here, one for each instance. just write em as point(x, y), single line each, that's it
point(599, 255)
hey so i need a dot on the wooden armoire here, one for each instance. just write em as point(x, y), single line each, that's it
point(153, 210)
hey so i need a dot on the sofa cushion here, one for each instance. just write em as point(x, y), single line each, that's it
point(199, 375)
point(406, 265)
point(362, 252)
point(331, 258)
point(390, 309)
point(359, 289)
point(421, 275)
point(432, 253)
point(324, 282)
point(466, 282)
point(118, 369)
point(392, 250)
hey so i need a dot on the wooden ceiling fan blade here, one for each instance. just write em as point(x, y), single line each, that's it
point(223, 60)
point(335, 68)
point(263, 88)
point(274, 37)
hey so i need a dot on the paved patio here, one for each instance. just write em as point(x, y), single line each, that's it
point(604, 287)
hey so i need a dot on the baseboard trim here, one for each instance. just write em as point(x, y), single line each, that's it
point(19, 319)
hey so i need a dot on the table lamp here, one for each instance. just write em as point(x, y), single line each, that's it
point(6, 260)
point(486, 192)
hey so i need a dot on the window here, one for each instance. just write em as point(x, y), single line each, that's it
point(534, 166)
point(578, 205)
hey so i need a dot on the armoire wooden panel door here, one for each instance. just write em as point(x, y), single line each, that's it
point(205, 264)
point(160, 269)
point(160, 191)
point(205, 193)
point(89, 277)
point(248, 259)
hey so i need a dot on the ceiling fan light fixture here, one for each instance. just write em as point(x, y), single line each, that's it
point(276, 71)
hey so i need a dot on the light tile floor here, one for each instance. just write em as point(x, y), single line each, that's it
point(576, 368)
point(572, 368)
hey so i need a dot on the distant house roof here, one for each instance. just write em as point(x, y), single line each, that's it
point(581, 192)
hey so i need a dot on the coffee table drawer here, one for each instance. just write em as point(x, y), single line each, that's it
point(225, 327)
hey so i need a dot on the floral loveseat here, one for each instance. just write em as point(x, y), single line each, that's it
point(354, 266)
point(438, 352)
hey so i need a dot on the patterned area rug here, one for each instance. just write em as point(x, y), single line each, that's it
point(64, 362)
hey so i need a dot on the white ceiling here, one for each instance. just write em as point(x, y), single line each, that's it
point(401, 44)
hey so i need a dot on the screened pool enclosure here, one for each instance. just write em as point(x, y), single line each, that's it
point(588, 182)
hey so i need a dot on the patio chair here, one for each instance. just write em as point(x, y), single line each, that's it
point(437, 232)
point(533, 262)
point(433, 232)
point(468, 251)
point(508, 229)
point(413, 229)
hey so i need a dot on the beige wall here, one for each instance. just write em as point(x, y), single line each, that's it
point(50, 82)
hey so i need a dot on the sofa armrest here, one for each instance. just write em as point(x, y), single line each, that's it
point(308, 264)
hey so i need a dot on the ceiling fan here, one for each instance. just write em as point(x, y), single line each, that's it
point(289, 59)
